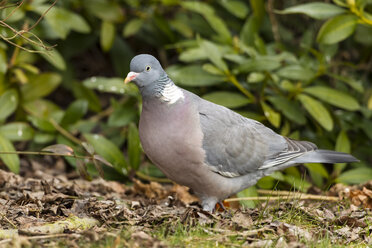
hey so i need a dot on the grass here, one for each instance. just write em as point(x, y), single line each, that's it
point(176, 234)
point(223, 231)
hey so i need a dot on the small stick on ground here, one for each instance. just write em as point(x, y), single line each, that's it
point(288, 197)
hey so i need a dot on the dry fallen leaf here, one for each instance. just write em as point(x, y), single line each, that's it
point(151, 190)
point(242, 220)
point(361, 197)
point(182, 194)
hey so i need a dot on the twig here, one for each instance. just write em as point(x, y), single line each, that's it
point(4, 241)
point(50, 236)
point(276, 192)
point(274, 22)
point(288, 197)
point(18, 5)
point(245, 233)
point(64, 132)
point(107, 112)
point(9, 221)
point(42, 16)
point(152, 179)
point(47, 154)
point(70, 223)
point(235, 82)
point(24, 31)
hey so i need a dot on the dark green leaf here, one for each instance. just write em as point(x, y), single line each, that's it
point(132, 27)
point(249, 192)
point(52, 56)
point(296, 72)
point(122, 116)
point(334, 97)
point(337, 29)
point(8, 103)
point(259, 64)
point(193, 75)
point(208, 13)
point(227, 99)
point(289, 108)
point(199, 53)
point(82, 92)
point(352, 82)
point(74, 112)
point(17, 131)
point(3, 61)
point(255, 77)
point(105, 10)
point(43, 138)
point(40, 86)
point(342, 145)
point(315, 10)
point(355, 176)
point(212, 69)
point(317, 173)
point(107, 35)
point(41, 123)
point(62, 20)
point(214, 54)
point(44, 109)
point(111, 85)
point(317, 111)
point(271, 115)
point(109, 151)
point(297, 183)
point(121, 54)
point(250, 30)
point(10, 160)
point(235, 7)
point(134, 147)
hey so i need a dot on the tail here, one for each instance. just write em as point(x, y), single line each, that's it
point(325, 156)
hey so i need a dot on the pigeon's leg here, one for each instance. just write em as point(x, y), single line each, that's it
point(220, 203)
point(209, 204)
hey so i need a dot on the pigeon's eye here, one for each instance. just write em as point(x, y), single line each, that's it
point(148, 68)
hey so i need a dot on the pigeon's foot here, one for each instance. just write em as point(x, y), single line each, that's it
point(209, 204)
point(220, 203)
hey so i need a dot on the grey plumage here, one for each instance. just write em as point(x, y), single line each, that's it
point(207, 147)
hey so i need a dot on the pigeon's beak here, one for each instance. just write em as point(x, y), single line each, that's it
point(131, 76)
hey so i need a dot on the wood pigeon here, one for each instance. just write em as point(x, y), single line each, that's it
point(207, 147)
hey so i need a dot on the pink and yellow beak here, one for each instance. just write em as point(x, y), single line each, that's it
point(131, 76)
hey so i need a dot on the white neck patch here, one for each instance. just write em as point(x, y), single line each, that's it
point(171, 93)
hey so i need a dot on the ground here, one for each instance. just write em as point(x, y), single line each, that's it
point(48, 208)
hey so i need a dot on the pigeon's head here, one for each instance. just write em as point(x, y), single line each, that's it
point(145, 69)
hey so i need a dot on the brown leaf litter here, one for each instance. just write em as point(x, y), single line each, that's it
point(47, 207)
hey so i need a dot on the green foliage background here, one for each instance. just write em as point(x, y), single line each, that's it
point(301, 69)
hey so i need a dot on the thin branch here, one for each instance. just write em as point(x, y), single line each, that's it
point(4, 241)
point(22, 33)
point(64, 132)
point(152, 179)
point(288, 197)
point(108, 111)
point(9, 221)
point(7, 6)
point(14, 10)
point(42, 16)
point(47, 154)
point(51, 236)
point(235, 82)
point(274, 22)
point(277, 192)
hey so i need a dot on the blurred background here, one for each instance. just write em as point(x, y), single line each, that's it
point(300, 67)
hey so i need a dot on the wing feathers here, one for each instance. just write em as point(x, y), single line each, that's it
point(294, 150)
